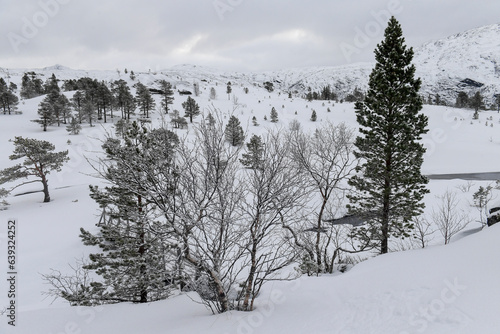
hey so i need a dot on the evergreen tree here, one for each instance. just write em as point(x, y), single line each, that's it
point(254, 121)
point(134, 261)
point(103, 101)
point(62, 108)
point(77, 104)
point(51, 85)
point(274, 115)
point(167, 93)
point(8, 100)
point(389, 184)
point(191, 108)
point(89, 110)
point(255, 150)
point(462, 100)
point(31, 86)
point(314, 117)
point(46, 113)
point(74, 126)
point(234, 132)
point(229, 89)
point(123, 98)
point(39, 160)
point(144, 100)
point(476, 102)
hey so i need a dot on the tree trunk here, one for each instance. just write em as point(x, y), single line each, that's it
point(45, 190)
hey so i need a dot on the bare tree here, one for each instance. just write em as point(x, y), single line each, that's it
point(274, 196)
point(448, 218)
point(423, 231)
point(210, 220)
point(325, 158)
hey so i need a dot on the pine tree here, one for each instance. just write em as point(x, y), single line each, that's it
point(255, 149)
point(274, 115)
point(191, 108)
point(134, 259)
point(51, 85)
point(124, 100)
point(167, 93)
point(389, 184)
point(74, 127)
point(229, 89)
point(234, 132)
point(144, 100)
point(314, 117)
point(476, 102)
point(8, 100)
point(39, 160)
point(46, 113)
point(254, 121)
point(103, 101)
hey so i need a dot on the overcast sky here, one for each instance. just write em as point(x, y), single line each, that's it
point(227, 34)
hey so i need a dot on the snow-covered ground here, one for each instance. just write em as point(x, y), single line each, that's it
point(440, 289)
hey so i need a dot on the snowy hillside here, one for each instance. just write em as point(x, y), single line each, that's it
point(443, 65)
point(439, 289)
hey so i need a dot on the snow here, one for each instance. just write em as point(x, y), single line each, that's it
point(439, 289)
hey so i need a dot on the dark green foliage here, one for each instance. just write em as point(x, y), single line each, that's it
point(269, 86)
point(51, 85)
point(462, 100)
point(103, 100)
point(134, 257)
point(167, 93)
point(476, 102)
point(389, 183)
point(191, 108)
point(74, 126)
point(234, 132)
point(356, 96)
point(274, 115)
point(8, 100)
point(123, 99)
point(31, 86)
point(39, 161)
point(314, 117)
point(46, 113)
point(253, 159)
point(144, 100)
point(229, 89)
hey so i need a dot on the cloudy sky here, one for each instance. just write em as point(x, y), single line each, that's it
point(228, 34)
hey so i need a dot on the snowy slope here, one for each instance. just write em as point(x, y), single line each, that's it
point(474, 54)
point(441, 289)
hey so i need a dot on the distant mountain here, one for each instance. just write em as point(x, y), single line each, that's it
point(468, 61)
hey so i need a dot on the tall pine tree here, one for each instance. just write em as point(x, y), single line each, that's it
point(135, 257)
point(389, 183)
point(234, 132)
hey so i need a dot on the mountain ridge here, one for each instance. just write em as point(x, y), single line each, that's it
point(467, 61)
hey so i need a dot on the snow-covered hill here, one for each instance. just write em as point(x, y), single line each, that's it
point(468, 61)
point(440, 289)
point(446, 65)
